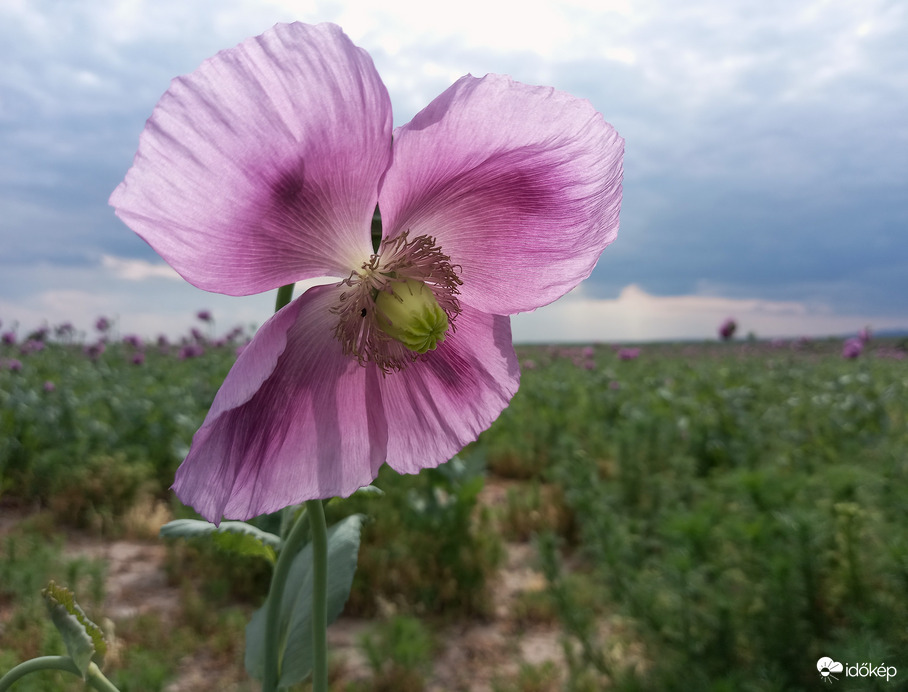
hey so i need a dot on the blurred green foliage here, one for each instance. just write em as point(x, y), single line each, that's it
point(710, 517)
point(742, 506)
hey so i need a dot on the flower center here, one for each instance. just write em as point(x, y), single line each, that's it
point(408, 312)
point(399, 305)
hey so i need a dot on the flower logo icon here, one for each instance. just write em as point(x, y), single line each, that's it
point(827, 667)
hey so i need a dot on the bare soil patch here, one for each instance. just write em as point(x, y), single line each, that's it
point(472, 655)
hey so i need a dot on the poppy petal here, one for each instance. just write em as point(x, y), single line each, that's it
point(295, 420)
point(520, 186)
point(443, 400)
point(261, 168)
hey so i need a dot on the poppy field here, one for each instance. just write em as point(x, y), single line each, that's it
point(715, 516)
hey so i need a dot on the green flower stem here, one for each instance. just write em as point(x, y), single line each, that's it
point(284, 296)
point(316, 512)
point(290, 546)
point(274, 644)
point(95, 677)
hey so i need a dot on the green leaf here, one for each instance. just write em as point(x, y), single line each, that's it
point(365, 490)
point(233, 536)
point(296, 604)
point(83, 639)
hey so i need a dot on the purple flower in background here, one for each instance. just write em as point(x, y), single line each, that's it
point(628, 353)
point(727, 329)
point(49, 386)
point(133, 340)
point(95, 350)
point(190, 351)
point(13, 364)
point(39, 334)
point(265, 166)
point(31, 346)
point(138, 358)
point(102, 324)
point(852, 348)
point(9, 338)
point(204, 315)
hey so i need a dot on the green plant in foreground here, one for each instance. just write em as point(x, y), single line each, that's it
point(399, 651)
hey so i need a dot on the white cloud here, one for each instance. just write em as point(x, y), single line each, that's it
point(137, 270)
point(798, 104)
point(637, 316)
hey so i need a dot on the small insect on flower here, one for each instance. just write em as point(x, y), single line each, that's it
point(265, 167)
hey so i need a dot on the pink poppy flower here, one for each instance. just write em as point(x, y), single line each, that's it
point(264, 167)
point(727, 329)
point(628, 353)
point(852, 348)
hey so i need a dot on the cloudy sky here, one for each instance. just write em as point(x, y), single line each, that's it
point(766, 167)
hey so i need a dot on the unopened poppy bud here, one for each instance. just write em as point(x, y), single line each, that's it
point(407, 311)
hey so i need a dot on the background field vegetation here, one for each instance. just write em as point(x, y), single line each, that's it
point(707, 516)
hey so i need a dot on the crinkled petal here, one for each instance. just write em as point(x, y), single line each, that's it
point(520, 185)
point(262, 167)
point(294, 420)
point(441, 402)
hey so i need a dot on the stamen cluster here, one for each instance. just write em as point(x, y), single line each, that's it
point(397, 260)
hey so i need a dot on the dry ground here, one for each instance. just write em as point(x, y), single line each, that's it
point(472, 654)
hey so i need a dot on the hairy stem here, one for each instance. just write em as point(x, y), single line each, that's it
point(95, 677)
point(316, 512)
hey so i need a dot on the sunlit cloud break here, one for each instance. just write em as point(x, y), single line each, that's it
point(635, 315)
point(138, 270)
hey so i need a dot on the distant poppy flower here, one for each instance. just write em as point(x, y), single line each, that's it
point(852, 348)
point(49, 386)
point(190, 351)
point(31, 346)
point(13, 364)
point(628, 353)
point(102, 324)
point(40, 334)
point(264, 167)
point(9, 338)
point(727, 329)
point(204, 315)
point(95, 350)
